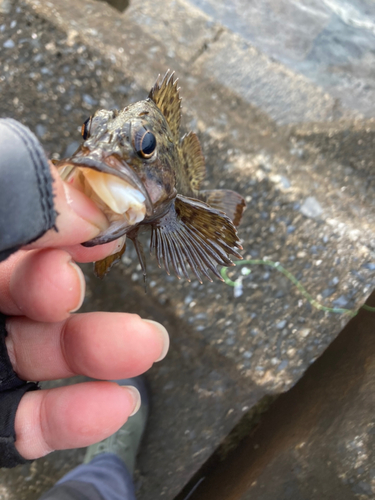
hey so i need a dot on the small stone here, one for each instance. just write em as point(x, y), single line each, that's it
point(280, 325)
point(305, 332)
point(311, 208)
point(89, 100)
point(238, 289)
point(9, 44)
point(284, 181)
point(340, 301)
point(122, 89)
point(200, 316)
point(188, 299)
point(40, 130)
point(282, 365)
point(328, 292)
point(370, 266)
point(334, 281)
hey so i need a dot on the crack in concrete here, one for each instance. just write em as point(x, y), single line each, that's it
point(205, 46)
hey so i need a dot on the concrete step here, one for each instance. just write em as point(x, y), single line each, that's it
point(330, 42)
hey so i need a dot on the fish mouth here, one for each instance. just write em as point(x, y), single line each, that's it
point(111, 183)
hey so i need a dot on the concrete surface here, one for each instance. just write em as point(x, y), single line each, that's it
point(331, 42)
point(267, 132)
point(316, 442)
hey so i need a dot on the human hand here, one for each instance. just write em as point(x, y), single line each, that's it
point(39, 288)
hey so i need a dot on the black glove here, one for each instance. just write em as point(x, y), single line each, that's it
point(26, 213)
point(11, 391)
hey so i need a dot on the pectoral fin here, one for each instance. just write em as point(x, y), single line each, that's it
point(193, 232)
point(229, 202)
point(102, 267)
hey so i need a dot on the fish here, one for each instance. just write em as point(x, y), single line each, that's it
point(138, 170)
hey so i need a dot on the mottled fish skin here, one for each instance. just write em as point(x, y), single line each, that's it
point(188, 226)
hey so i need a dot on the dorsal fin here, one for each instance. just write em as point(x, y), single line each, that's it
point(192, 161)
point(165, 95)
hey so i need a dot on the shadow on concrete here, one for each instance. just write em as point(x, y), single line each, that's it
point(317, 440)
point(120, 5)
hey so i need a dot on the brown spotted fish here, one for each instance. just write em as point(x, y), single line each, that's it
point(134, 166)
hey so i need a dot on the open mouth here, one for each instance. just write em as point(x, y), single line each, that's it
point(112, 185)
point(118, 195)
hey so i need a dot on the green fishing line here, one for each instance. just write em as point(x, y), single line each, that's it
point(293, 279)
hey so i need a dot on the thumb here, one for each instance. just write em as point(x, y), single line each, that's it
point(78, 219)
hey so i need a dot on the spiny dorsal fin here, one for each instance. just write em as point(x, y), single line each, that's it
point(194, 233)
point(192, 161)
point(227, 201)
point(166, 97)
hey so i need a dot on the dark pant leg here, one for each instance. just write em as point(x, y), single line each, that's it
point(104, 478)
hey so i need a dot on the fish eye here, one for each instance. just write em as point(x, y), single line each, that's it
point(144, 143)
point(85, 130)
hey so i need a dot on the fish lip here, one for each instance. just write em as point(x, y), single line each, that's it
point(122, 170)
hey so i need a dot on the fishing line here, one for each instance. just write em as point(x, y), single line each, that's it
point(293, 279)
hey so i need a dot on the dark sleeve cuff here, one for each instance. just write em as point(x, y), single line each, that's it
point(26, 195)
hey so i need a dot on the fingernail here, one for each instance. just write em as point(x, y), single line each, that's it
point(82, 282)
point(85, 208)
point(136, 397)
point(163, 332)
point(120, 243)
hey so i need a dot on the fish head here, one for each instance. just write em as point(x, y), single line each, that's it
point(126, 164)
